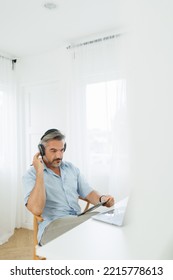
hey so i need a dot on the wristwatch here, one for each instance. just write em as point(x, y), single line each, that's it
point(100, 198)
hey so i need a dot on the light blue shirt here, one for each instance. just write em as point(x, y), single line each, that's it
point(62, 192)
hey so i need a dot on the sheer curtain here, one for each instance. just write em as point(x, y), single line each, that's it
point(97, 122)
point(8, 155)
point(119, 164)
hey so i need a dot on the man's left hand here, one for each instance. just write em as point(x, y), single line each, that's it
point(109, 200)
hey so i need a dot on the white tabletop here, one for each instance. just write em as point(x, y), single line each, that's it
point(90, 240)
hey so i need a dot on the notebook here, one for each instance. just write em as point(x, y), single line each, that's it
point(114, 216)
point(93, 207)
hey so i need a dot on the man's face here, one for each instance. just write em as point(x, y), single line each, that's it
point(54, 150)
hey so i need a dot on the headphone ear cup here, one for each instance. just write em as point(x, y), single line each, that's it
point(65, 146)
point(41, 149)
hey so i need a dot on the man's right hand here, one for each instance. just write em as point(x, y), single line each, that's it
point(38, 162)
point(37, 198)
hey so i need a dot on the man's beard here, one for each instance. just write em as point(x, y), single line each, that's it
point(56, 162)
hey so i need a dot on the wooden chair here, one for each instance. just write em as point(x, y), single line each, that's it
point(38, 219)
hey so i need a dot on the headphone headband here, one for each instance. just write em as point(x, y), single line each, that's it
point(50, 131)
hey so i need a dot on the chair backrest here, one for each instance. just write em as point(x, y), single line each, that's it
point(38, 219)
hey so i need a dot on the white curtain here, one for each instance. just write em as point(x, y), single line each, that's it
point(119, 165)
point(8, 154)
point(97, 122)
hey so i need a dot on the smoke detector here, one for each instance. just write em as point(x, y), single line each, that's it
point(50, 5)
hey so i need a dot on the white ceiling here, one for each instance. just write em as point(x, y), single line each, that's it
point(27, 28)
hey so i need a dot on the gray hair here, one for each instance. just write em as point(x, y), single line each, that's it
point(52, 134)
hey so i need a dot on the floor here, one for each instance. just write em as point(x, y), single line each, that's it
point(19, 246)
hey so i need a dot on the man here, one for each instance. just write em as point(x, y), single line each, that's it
point(52, 188)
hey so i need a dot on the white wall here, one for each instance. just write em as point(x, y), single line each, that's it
point(46, 66)
point(150, 102)
point(40, 71)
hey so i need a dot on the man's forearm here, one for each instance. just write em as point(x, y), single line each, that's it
point(93, 197)
point(37, 198)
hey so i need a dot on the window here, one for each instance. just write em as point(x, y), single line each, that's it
point(104, 103)
point(101, 109)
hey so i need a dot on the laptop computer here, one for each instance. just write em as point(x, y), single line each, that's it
point(114, 216)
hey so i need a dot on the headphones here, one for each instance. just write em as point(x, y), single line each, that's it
point(41, 147)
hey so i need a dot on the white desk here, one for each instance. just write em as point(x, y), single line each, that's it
point(90, 240)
